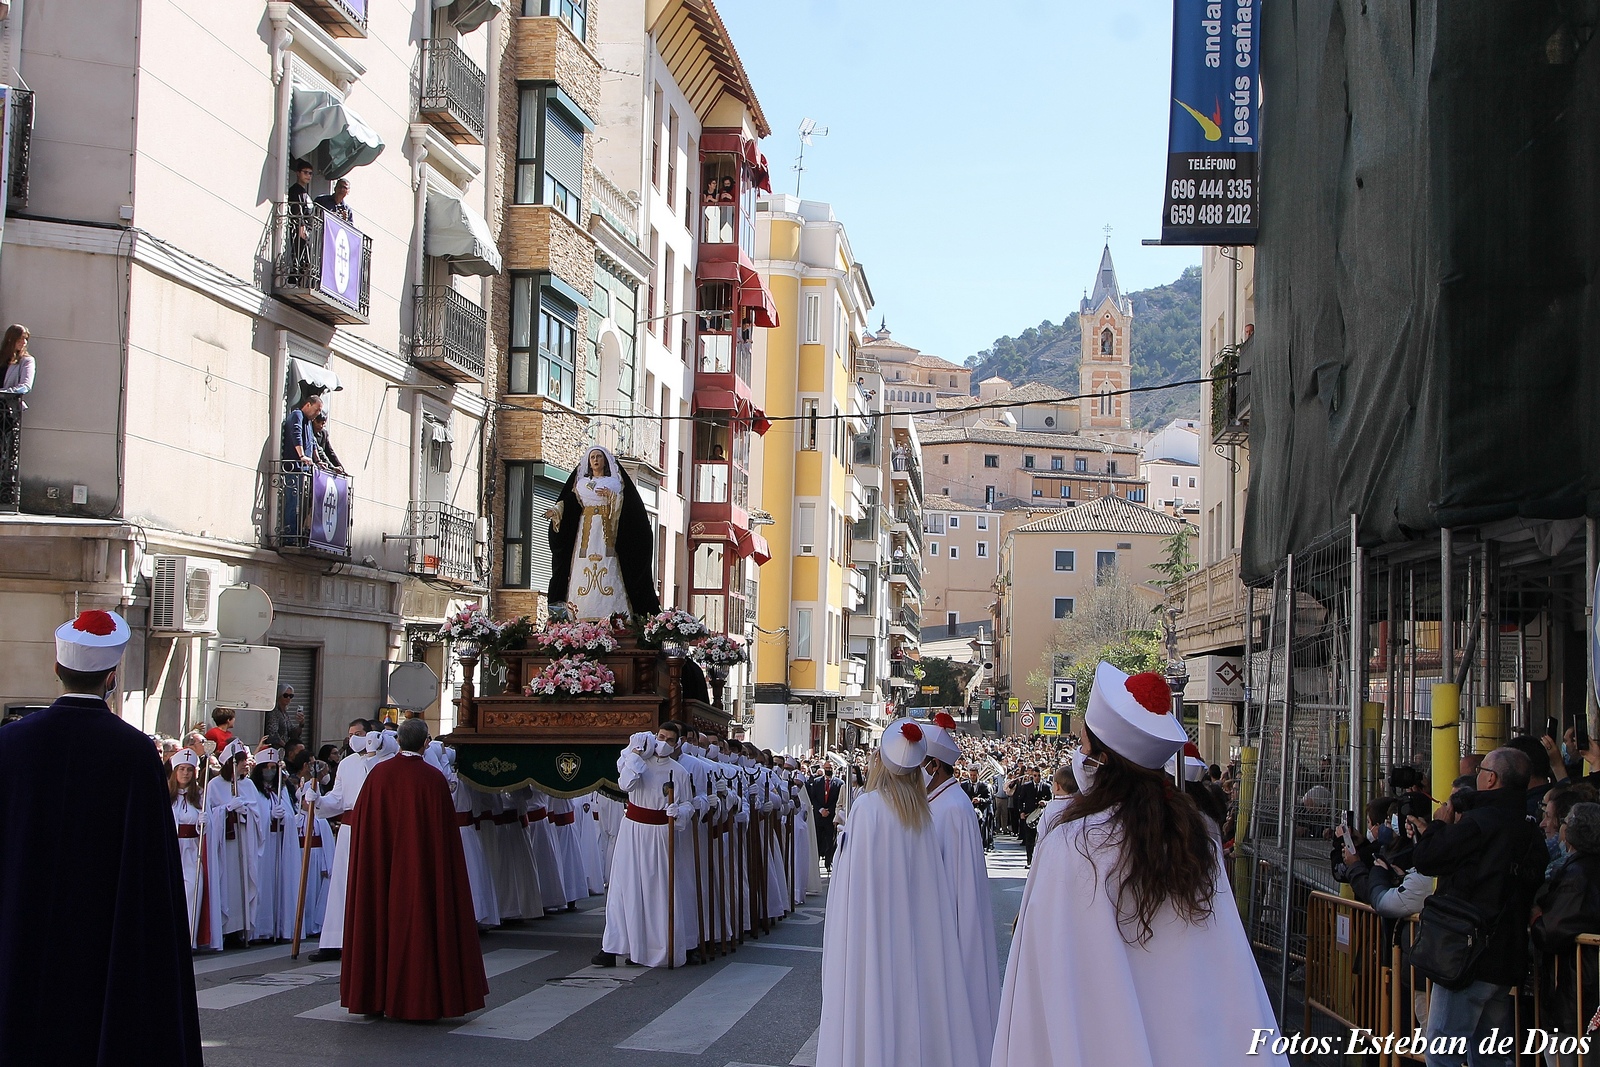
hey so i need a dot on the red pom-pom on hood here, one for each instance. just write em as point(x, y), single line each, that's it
point(911, 732)
point(99, 623)
point(945, 720)
point(1152, 692)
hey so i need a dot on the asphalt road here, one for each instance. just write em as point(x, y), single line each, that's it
point(759, 1007)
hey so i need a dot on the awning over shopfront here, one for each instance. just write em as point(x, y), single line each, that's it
point(324, 130)
point(458, 234)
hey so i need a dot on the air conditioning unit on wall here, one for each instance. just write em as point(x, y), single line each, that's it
point(183, 594)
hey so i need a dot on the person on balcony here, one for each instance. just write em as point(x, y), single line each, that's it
point(336, 202)
point(16, 379)
point(600, 544)
point(298, 450)
point(326, 457)
point(300, 209)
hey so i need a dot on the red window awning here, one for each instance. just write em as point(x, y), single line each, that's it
point(752, 544)
point(711, 399)
point(763, 176)
point(753, 295)
point(715, 531)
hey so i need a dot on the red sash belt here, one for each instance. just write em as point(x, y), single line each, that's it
point(464, 818)
point(230, 824)
point(316, 841)
point(648, 816)
point(506, 818)
point(277, 826)
point(563, 818)
point(535, 815)
point(186, 830)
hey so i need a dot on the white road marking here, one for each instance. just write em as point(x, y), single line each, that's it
point(256, 987)
point(227, 961)
point(781, 945)
point(709, 1011)
point(807, 1056)
point(529, 1016)
point(495, 963)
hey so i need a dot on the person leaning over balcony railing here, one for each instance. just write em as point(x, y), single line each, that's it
point(337, 202)
point(300, 208)
point(326, 457)
point(298, 450)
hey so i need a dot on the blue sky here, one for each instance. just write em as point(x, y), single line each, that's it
point(975, 150)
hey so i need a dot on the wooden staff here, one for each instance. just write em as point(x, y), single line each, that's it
point(719, 909)
point(672, 880)
point(699, 892)
point(789, 890)
point(244, 858)
point(305, 871)
point(738, 872)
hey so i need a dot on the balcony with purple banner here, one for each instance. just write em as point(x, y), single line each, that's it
point(325, 264)
point(314, 507)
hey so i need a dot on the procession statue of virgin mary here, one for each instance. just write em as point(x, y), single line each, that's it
point(601, 548)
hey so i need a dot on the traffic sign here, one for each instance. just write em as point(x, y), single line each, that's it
point(930, 689)
point(1050, 724)
point(1025, 720)
point(1063, 694)
point(1011, 704)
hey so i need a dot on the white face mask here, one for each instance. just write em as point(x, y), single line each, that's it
point(1083, 769)
point(713, 751)
point(663, 748)
point(927, 778)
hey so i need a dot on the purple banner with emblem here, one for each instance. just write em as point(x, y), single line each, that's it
point(330, 512)
point(341, 260)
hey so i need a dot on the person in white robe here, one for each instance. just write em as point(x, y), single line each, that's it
point(233, 839)
point(891, 993)
point(563, 821)
point(695, 846)
point(1128, 947)
point(532, 808)
point(589, 844)
point(510, 856)
point(955, 823)
point(611, 811)
point(386, 748)
point(636, 901)
point(319, 867)
point(485, 903)
point(348, 778)
point(278, 867)
point(188, 813)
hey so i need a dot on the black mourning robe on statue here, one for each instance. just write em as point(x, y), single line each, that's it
point(94, 930)
point(635, 546)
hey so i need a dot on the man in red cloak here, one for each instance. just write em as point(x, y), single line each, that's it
point(425, 963)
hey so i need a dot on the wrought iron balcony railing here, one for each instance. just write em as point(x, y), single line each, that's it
point(315, 509)
point(444, 539)
point(452, 91)
point(451, 334)
point(627, 429)
point(324, 264)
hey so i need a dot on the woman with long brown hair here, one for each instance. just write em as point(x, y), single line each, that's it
point(16, 379)
point(1128, 948)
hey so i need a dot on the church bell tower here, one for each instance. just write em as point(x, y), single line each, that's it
point(1105, 369)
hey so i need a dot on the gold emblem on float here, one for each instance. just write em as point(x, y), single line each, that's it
point(567, 765)
point(495, 767)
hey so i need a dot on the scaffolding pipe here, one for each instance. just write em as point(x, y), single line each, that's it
point(1288, 889)
point(1356, 729)
point(1590, 552)
point(1391, 666)
point(1447, 617)
point(1288, 690)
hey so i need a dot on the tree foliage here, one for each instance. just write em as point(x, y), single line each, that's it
point(1114, 621)
point(1166, 348)
point(1178, 560)
point(951, 678)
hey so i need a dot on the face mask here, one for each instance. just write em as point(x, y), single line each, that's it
point(714, 751)
point(663, 748)
point(927, 778)
point(1083, 769)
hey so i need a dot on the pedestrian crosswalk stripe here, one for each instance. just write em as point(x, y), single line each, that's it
point(709, 1011)
point(782, 945)
point(256, 987)
point(529, 1016)
point(227, 961)
point(807, 1056)
point(495, 963)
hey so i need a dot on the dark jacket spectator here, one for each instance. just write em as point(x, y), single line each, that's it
point(1492, 857)
point(1569, 905)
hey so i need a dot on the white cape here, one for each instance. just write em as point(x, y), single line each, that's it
point(891, 993)
point(955, 822)
point(1077, 994)
point(485, 904)
point(341, 799)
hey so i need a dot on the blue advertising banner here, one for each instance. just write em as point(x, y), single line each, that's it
point(1213, 137)
point(341, 260)
point(330, 512)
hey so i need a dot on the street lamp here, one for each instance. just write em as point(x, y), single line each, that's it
point(1177, 673)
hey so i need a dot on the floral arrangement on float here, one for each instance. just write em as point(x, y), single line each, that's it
point(470, 624)
point(581, 635)
point(574, 675)
point(674, 626)
point(722, 650)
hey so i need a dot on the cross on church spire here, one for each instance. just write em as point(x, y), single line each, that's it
point(1108, 232)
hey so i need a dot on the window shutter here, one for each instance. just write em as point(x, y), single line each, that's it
point(298, 667)
point(563, 150)
point(544, 495)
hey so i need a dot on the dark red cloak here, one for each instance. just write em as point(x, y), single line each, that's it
point(410, 933)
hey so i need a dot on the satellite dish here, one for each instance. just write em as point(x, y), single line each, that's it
point(413, 686)
point(244, 613)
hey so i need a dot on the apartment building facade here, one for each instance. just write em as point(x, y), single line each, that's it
point(184, 295)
